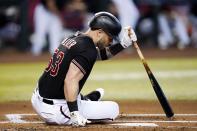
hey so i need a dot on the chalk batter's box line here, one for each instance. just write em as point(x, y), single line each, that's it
point(149, 115)
point(129, 115)
point(17, 118)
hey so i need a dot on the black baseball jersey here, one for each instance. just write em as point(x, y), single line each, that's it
point(78, 49)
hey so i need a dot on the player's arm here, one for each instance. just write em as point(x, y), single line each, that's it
point(71, 88)
point(71, 83)
point(114, 49)
point(109, 52)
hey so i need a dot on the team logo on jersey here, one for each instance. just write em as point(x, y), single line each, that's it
point(68, 43)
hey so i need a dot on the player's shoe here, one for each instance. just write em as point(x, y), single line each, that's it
point(96, 95)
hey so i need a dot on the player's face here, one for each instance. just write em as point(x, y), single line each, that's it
point(104, 40)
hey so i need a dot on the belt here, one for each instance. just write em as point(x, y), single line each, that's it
point(50, 102)
point(46, 101)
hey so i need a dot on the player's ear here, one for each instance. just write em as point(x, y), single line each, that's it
point(100, 33)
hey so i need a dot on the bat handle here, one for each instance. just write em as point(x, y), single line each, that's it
point(136, 46)
point(138, 50)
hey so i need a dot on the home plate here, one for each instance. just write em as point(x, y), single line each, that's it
point(135, 124)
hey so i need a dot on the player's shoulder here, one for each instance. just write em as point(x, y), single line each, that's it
point(84, 42)
point(79, 41)
point(84, 39)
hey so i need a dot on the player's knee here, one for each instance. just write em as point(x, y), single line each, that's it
point(115, 108)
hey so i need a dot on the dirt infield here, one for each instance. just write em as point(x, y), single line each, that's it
point(134, 115)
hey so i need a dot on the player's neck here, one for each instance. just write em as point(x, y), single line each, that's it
point(91, 34)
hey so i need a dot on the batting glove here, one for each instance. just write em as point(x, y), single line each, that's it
point(128, 37)
point(77, 119)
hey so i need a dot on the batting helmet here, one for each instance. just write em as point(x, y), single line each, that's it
point(107, 22)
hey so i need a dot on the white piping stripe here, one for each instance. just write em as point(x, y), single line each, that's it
point(79, 66)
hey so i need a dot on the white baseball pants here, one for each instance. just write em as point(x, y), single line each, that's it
point(58, 112)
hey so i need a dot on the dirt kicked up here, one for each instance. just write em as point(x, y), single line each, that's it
point(134, 115)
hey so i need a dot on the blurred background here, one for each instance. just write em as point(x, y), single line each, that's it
point(39, 25)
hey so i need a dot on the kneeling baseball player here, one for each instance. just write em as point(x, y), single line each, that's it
point(57, 98)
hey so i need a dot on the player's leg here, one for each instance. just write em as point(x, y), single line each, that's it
point(99, 110)
point(56, 112)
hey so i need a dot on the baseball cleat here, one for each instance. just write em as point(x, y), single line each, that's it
point(96, 95)
point(101, 91)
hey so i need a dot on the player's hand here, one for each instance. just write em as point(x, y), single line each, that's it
point(128, 37)
point(77, 119)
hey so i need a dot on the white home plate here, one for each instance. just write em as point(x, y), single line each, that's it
point(135, 124)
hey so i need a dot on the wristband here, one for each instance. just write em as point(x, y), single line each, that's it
point(72, 106)
point(116, 48)
point(103, 54)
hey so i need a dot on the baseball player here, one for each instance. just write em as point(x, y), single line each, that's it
point(57, 98)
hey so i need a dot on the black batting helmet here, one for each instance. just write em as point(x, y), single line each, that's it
point(107, 22)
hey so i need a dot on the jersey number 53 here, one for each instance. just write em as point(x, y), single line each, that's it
point(55, 62)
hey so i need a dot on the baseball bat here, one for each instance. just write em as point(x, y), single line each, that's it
point(157, 88)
